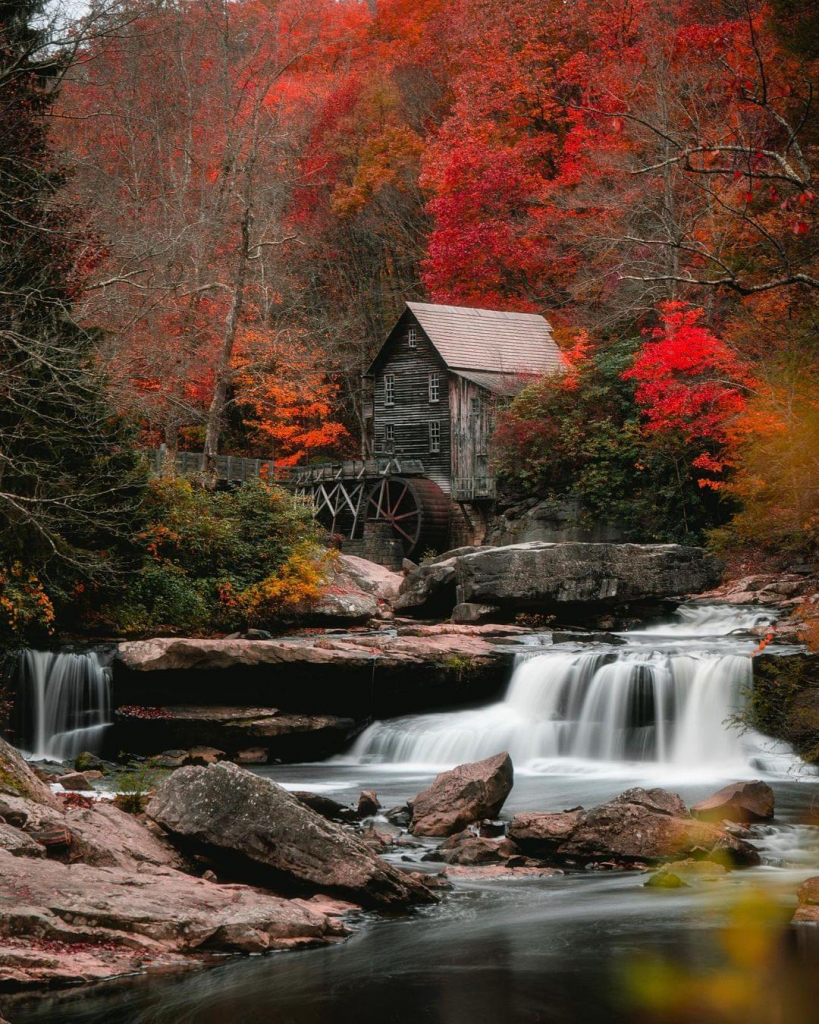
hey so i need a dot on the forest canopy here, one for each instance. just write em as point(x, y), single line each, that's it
point(213, 209)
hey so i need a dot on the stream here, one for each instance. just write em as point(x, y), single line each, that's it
point(582, 723)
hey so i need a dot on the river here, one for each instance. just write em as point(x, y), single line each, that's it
point(582, 724)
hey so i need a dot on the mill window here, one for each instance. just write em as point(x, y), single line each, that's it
point(434, 387)
point(412, 337)
point(434, 435)
point(389, 389)
point(389, 437)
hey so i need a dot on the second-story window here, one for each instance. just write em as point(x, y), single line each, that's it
point(434, 387)
point(434, 435)
point(412, 337)
point(389, 389)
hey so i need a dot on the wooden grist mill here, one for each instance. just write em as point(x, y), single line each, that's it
point(436, 385)
point(382, 498)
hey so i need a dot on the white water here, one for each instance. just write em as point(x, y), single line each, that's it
point(711, 620)
point(672, 707)
point(65, 703)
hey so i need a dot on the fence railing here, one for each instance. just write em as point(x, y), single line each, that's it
point(474, 488)
point(237, 469)
point(230, 468)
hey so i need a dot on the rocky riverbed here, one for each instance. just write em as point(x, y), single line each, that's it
point(224, 861)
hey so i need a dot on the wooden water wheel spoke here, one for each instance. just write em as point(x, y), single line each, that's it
point(415, 508)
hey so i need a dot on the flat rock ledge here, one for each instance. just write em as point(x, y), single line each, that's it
point(358, 676)
point(410, 645)
point(61, 924)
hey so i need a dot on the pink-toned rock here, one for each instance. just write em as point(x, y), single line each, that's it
point(105, 836)
point(743, 802)
point(62, 924)
point(645, 825)
point(19, 786)
point(75, 781)
point(808, 896)
point(252, 755)
point(467, 849)
point(542, 833)
point(368, 804)
point(465, 794)
point(18, 844)
point(489, 871)
point(205, 755)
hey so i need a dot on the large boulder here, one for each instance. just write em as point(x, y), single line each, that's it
point(63, 924)
point(651, 826)
point(371, 577)
point(356, 591)
point(258, 831)
point(463, 795)
point(741, 801)
point(558, 576)
point(19, 786)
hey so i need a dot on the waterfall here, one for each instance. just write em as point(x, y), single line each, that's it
point(64, 703)
point(712, 620)
point(627, 705)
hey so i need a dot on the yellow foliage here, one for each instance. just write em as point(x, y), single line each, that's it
point(297, 583)
point(747, 978)
point(24, 601)
point(777, 481)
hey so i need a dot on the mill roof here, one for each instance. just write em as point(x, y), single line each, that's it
point(488, 341)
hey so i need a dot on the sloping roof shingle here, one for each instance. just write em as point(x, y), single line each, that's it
point(489, 340)
point(506, 384)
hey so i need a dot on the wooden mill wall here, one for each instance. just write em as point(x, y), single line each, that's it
point(472, 411)
point(412, 411)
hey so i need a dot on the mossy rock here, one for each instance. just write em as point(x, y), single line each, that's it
point(665, 880)
point(18, 780)
point(85, 761)
point(784, 701)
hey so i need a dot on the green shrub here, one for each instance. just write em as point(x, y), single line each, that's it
point(216, 560)
point(582, 437)
point(133, 786)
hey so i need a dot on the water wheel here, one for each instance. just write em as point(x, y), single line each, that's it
point(416, 509)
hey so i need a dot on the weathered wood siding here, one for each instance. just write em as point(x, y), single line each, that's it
point(472, 410)
point(412, 411)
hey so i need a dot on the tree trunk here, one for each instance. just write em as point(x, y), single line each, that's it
point(213, 428)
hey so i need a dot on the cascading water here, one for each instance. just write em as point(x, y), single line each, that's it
point(64, 703)
point(668, 702)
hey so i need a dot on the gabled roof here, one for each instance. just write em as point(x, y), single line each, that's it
point(486, 339)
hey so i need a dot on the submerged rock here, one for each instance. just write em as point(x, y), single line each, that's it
point(259, 832)
point(743, 802)
point(463, 795)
